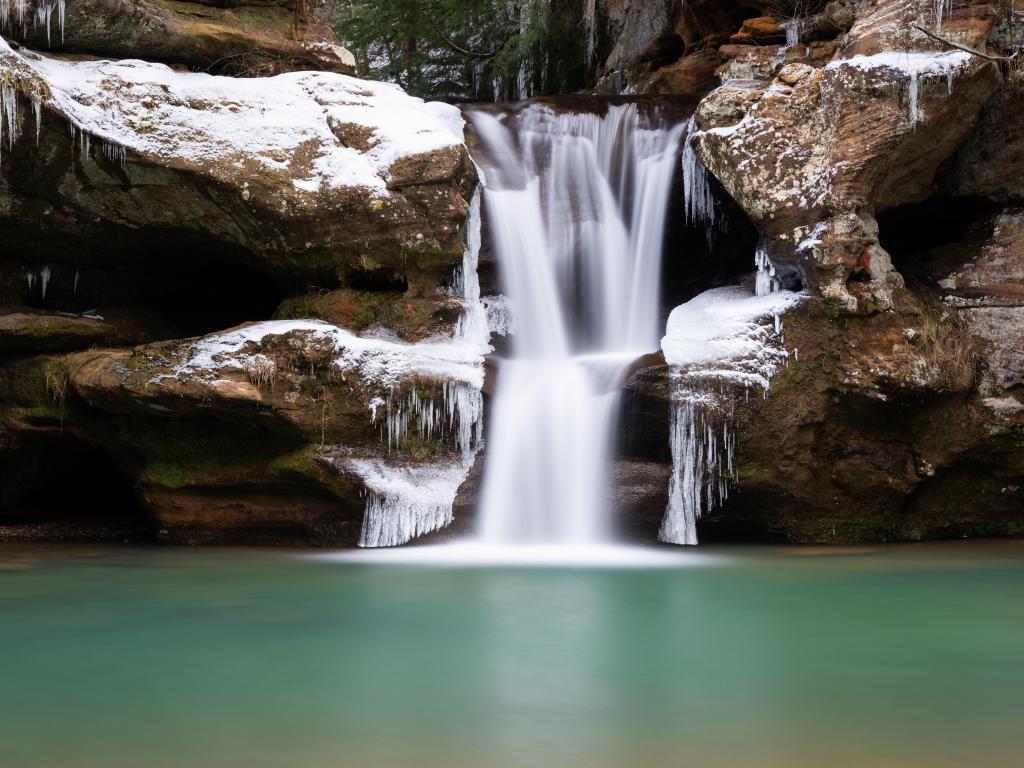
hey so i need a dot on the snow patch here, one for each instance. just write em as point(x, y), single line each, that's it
point(729, 334)
point(911, 64)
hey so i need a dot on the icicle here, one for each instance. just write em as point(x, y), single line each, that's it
point(943, 9)
point(44, 279)
point(37, 109)
point(115, 153)
point(74, 290)
point(472, 327)
point(698, 199)
point(765, 282)
point(9, 114)
point(462, 404)
point(700, 467)
point(913, 97)
point(406, 501)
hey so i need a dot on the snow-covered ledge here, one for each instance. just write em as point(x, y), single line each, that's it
point(321, 130)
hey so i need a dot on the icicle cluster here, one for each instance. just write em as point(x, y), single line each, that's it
point(10, 123)
point(459, 414)
point(11, 126)
point(42, 277)
point(702, 463)
point(16, 15)
point(699, 200)
point(943, 9)
point(406, 501)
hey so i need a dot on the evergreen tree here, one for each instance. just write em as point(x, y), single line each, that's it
point(468, 50)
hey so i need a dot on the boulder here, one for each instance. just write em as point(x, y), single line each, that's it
point(873, 430)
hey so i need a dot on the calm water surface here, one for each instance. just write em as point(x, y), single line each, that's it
point(902, 656)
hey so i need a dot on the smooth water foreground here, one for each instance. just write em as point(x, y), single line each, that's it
point(902, 656)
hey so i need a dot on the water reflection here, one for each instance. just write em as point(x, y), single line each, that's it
point(904, 657)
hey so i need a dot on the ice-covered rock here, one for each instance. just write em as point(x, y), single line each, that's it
point(719, 344)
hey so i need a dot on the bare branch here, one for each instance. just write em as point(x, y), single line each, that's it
point(465, 51)
point(964, 48)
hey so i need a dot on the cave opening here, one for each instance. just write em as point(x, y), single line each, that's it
point(198, 290)
point(696, 259)
point(55, 481)
point(931, 238)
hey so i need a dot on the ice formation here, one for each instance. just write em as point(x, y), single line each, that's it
point(698, 197)
point(195, 121)
point(913, 65)
point(723, 340)
point(473, 327)
point(15, 14)
point(40, 276)
point(404, 501)
point(765, 280)
point(702, 463)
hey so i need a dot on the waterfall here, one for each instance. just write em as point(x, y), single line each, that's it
point(576, 208)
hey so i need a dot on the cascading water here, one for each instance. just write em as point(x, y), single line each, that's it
point(576, 207)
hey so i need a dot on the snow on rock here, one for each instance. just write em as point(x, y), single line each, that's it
point(912, 65)
point(723, 338)
point(324, 130)
point(728, 334)
point(379, 362)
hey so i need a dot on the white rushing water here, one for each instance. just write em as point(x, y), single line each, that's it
point(576, 208)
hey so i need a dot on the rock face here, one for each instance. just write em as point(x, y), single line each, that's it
point(880, 168)
point(244, 38)
point(195, 201)
point(900, 412)
point(267, 431)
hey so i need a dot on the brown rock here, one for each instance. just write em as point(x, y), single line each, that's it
point(761, 30)
point(233, 38)
point(692, 75)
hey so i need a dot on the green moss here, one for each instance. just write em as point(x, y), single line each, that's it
point(301, 307)
point(180, 455)
point(832, 308)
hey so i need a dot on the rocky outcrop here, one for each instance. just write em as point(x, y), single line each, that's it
point(813, 153)
point(306, 177)
point(196, 201)
point(899, 413)
point(285, 432)
point(248, 39)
